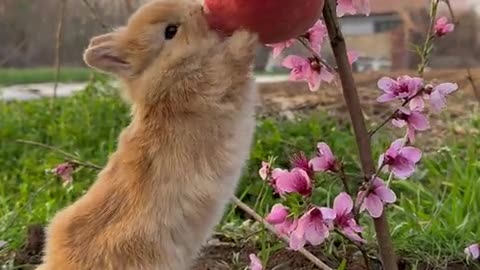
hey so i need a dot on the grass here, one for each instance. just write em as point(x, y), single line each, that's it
point(12, 76)
point(434, 219)
point(41, 75)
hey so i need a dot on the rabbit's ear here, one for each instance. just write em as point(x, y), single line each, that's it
point(106, 54)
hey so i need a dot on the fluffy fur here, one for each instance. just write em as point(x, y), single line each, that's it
point(177, 164)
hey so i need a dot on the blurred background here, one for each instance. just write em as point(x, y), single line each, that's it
point(384, 39)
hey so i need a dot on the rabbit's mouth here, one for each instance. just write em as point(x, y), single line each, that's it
point(116, 59)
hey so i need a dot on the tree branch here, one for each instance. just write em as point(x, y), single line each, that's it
point(387, 253)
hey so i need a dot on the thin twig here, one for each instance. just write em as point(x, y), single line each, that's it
point(59, 45)
point(470, 78)
point(312, 258)
point(84, 164)
point(95, 16)
point(13, 53)
point(450, 9)
point(430, 37)
point(71, 157)
point(387, 253)
point(392, 115)
point(316, 55)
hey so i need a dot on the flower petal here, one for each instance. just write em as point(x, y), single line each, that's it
point(297, 237)
point(320, 164)
point(374, 205)
point(352, 56)
point(386, 98)
point(385, 194)
point(255, 263)
point(446, 88)
point(278, 214)
point(387, 84)
point(293, 61)
point(353, 235)
point(343, 204)
point(416, 103)
point(473, 251)
point(400, 123)
point(411, 153)
point(316, 233)
point(324, 150)
point(418, 121)
point(314, 80)
point(328, 213)
point(438, 101)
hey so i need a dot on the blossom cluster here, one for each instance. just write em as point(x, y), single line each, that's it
point(314, 224)
point(399, 160)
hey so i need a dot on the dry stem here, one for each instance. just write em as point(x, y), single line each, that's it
point(307, 254)
point(96, 17)
point(59, 45)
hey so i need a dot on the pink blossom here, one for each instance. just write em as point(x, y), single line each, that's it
point(295, 181)
point(276, 173)
point(379, 195)
point(278, 217)
point(278, 214)
point(309, 70)
point(443, 27)
point(286, 228)
point(413, 119)
point(325, 160)
point(64, 171)
point(278, 48)
point(255, 263)
point(473, 251)
point(438, 96)
point(313, 227)
point(353, 7)
point(344, 220)
point(301, 161)
point(265, 171)
point(400, 159)
point(316, 35)
point(403, 88)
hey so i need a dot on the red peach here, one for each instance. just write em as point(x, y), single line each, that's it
point(274, 20)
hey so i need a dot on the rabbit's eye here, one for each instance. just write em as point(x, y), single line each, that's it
point(171, 31)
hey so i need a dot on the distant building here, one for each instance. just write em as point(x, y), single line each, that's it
point(383, 39)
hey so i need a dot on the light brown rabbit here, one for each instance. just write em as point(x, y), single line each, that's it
point(178, 162)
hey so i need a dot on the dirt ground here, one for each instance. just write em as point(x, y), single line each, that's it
point(285, 99)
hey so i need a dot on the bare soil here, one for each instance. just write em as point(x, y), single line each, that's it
point(287, 99)
point(230, 256)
